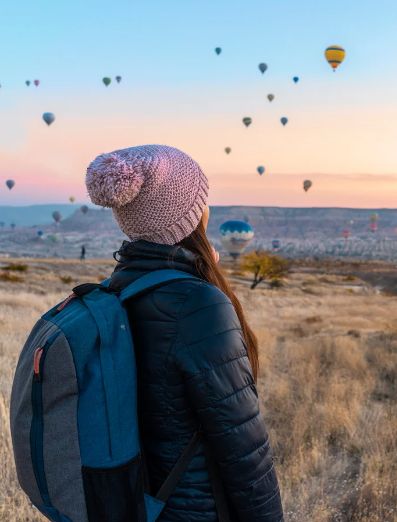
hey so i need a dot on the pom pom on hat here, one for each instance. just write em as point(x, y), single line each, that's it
point(113, 180)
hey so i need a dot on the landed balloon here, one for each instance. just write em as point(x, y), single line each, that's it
point(49, 118)
point(28, 82)
point(72, 199)
point(261, 170)
point(218, 50)
point(374, 217)
point(276, 244)
point(37, 82)
point(228, 150)
point(270, 97)
point(236, 236)
point(118, 79)
point(262, 67)
point(346, 234)
point(57, 216)
point(296, 79)
point(84, 209)
point(247, 121)
point(373, 227)
point(39, 233)
point(106, 81)
point(334, 55)
point(10, 183)
point(284, 120)
point(307, 184)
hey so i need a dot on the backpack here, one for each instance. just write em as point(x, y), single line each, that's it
point(74, 420)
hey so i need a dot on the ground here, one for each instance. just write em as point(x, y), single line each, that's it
point(328, 385)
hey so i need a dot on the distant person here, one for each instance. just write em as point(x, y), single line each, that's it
point(82, 255)
point(196, 356)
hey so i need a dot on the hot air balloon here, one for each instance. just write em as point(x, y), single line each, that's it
point(2, 224)
point(351, 222)
point(261, 170)
point(373, 227)
point(296, 79)
point(218, 50)
point(84, 209)
point(37, 82)
point(106, 81)
point(247, 121)
point(306, 185)
point(10, 183)
point(118, 79)
point(57, 216)
point(335, 55)
point(39, 233)
point(270, 97)
point(374, 217)
point(28, 82)
point(228, 150)
point(72, 199)
point(54, 238)
point(276, 244)
point(262, 67)
point(246, 218)
point(346, 234)
point(235, 237)
point(49, 118)
point(12, 226)
point(284, 120)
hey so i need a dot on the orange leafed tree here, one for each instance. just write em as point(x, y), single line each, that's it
point(265, 267)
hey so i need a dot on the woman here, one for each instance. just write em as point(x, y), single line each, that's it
point(197, 358)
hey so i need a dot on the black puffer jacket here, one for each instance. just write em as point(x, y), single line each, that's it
point(193, 369)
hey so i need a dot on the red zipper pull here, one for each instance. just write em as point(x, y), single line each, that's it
point(62, 306)
point(37, 356)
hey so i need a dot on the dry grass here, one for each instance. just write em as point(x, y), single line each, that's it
point(11, 278)
point(328, 389)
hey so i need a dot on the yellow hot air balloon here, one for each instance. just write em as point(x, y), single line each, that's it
point(335, 55)
point(72, 199)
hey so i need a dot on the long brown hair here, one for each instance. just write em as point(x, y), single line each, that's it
point(207, 269)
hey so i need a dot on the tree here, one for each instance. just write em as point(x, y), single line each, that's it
point(265, 266)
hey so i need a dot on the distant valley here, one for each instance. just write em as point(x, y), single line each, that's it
point(303, 232)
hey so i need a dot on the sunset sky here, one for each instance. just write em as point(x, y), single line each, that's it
point(175, 90)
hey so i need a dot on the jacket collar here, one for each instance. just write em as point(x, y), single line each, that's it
point(140, 257)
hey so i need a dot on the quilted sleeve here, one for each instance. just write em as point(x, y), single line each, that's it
point(212, 357)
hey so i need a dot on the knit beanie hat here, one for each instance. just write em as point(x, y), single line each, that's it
point(157, 193)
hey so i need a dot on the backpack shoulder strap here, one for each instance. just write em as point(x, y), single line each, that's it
point(154, 280)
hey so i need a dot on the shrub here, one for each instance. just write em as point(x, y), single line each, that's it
point(17, 267)
point(276, 283)
point(13, 278)
point(313, 319)
point(66, 279)
point(350, 278)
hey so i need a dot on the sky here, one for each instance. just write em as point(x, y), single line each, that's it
point(175, 90)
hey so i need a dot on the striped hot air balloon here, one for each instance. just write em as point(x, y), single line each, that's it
point(235, 237)
point(335, 55)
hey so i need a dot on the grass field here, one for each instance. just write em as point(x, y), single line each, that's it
point(328, 386)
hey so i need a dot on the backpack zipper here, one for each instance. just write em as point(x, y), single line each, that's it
point(36, 431)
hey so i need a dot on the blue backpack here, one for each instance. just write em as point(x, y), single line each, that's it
point(74, 420)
